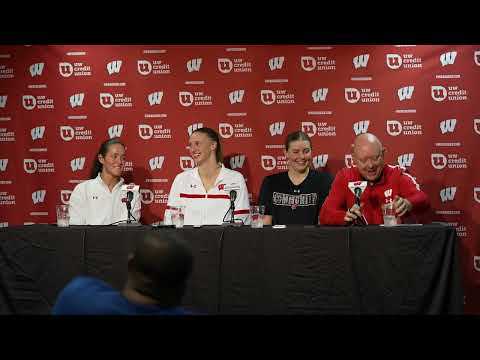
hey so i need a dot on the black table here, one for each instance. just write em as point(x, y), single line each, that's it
point(239, 270)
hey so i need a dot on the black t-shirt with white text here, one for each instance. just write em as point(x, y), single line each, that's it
point(294, 204)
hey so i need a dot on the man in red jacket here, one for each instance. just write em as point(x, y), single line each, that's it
point(374, 184)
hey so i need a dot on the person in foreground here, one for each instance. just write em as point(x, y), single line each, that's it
point(100, 200)
point(157, 277)
point(206, 190)
point(295, 196)
point(384, 183)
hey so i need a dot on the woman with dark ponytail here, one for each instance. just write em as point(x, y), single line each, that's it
point(100, 200)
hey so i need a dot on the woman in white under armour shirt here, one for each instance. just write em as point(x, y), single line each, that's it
point(100, 200)
point(206, 190)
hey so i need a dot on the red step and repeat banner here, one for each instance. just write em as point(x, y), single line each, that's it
point(58, 103)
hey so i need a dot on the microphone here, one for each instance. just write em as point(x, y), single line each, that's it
point(358, 192)
point(233, 197)
point(129, 188)
point(129, 200)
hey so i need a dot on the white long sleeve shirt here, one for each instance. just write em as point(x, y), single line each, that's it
point(209, 208)
point(92, 203)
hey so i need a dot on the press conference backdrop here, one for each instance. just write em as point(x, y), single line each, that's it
point(58, 103)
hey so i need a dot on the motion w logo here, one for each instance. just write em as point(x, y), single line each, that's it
point(320, 161)
point(156, 162)
point(276, 128)
point(405, 92)
point(38, 196)
point(448, 194)
point(77, 164)
point(37, 132)
point(3, 101)
point(405, 160)
point(319, 95)
point(3, 164)
point(114, 67)
point(76, 100)
point(191, 128)
point(361, 61)
point(115, 131)
point(276, 63)
point(236, 96)
point(237, 161)
point(36, 69)
point(155, 98)
point(194, 64)
point(361, 127)
point(448, 58)
point(448, 125)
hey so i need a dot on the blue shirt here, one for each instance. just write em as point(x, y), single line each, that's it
point(89, 296)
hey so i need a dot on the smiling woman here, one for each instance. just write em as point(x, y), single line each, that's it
point(208, 190)
point(295, 196)
point(100, 200)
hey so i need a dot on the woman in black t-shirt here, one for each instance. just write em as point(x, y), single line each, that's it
point(295, 196)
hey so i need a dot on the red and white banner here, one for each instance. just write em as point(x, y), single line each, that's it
point(58, 103)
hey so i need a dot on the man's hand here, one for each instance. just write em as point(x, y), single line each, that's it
point(401, 205)
point(352, 214)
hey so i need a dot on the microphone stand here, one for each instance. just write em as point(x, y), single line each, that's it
point(129, 213)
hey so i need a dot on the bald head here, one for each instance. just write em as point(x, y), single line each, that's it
point(367, 155)
point(366, 140)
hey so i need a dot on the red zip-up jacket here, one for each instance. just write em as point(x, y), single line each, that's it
point(393, 181)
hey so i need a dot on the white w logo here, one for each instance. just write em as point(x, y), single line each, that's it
point(236, 96)
point(194, 64)
point(448, 58)
point(361, 61)
point(276, 63)
point(361, 127)
point(405, 160)
point(276, 128)
point(3, 164)
point(155, 98)
point(36, 69)
point(448, 193)
point(114, 66)
point(37, 132)
point(405, 92)
point(193, 127)
point(76, 99)
point(319, 94)
point(156, 162)
point(320, 161)
point(77, 163)
point(237, 161)
point(3, 101)
point(38, 196)
point(448, 125)
point(115, 131)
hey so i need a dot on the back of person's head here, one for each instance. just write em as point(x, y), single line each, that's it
point(103, 150)
point(213, 136)
point(160, 267)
